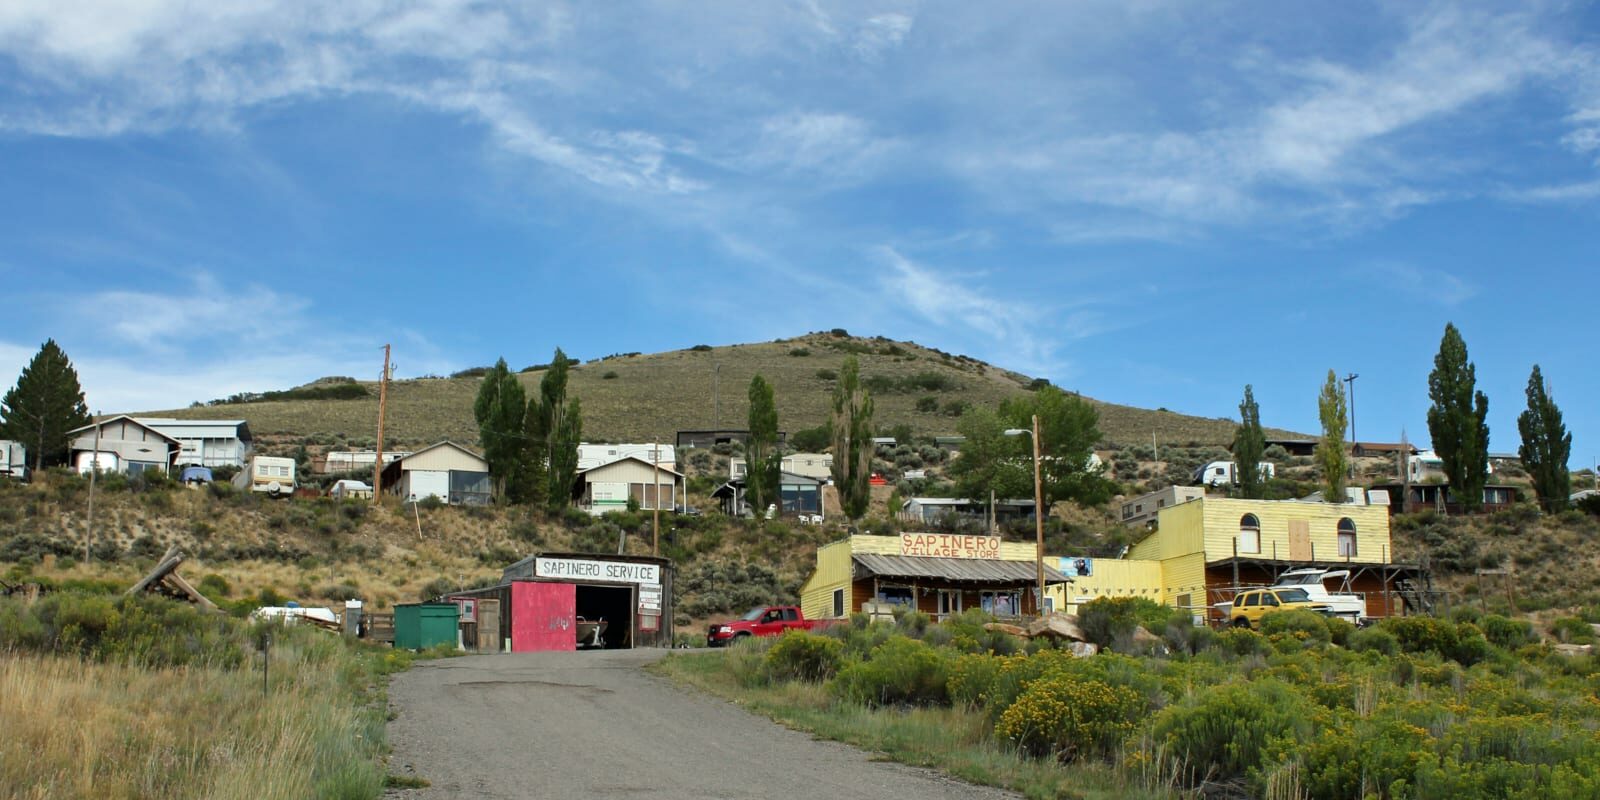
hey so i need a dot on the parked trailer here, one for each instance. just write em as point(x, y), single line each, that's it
point(270, 474)
point(13, 459)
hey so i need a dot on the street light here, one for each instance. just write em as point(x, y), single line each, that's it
point(1038, 508)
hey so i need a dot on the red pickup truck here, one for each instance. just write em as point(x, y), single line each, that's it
point(763, 621)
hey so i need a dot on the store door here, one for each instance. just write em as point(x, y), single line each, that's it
point(949, 603)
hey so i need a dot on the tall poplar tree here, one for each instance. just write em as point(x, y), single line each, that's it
point(763, 462)
point(555, 426)
point(852, 440)
point(1249, 443)
point(1456, 420)
point(1331, 457)
point(44, 405)
point(1546, 445)
point(500, 410)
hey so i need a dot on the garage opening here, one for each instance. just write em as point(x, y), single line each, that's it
point(614, 604)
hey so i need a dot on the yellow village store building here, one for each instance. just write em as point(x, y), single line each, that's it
point(1204, 550)
point(936, 573)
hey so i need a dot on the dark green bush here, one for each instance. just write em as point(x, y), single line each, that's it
point(899, 671)
point(142, 630)
point(1374, 640)
point(1105, 620)
point(1506, 633)
point(1229, 732)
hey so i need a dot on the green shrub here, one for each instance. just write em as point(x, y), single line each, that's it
point(1231, 732)
point(141, 630)
point(1241, 642)
point(804, 656)
point(1066, 717)
point(900, 670)
point(1572, 630)
point(1364, 758)
point(1305, 626)
point(1462, 642)
point(971, 679)
point(1510, 634)
point(1374, 640)
point(1105, 620)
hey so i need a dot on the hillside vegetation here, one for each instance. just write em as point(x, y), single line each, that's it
point(646, 397)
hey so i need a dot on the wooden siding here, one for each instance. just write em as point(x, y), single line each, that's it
point(444, 459)
point(1111, 578)
point(833, 572)
point(1179, 532)
point(1222, 515)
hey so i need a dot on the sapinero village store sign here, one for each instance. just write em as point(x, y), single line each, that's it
point(946, 545)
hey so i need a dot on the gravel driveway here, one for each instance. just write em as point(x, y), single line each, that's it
point(594, 724)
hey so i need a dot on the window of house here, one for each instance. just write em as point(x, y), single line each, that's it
point(1347, 538)
point(898, 595)
point(838, 603)
point(1249, 534)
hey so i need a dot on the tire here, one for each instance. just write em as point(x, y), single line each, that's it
point(1241, 622)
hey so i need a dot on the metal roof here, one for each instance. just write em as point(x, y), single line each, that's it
point(953, 569)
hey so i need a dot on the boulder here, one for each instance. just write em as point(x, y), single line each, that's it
point(1083, 649)
point(1574, 649)
point(1014, 630)
point(1057, 626)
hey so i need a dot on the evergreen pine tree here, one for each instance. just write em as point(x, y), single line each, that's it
point(43, 406)
point(1546, 445)
point(1249, 443)
point(1330, 449)
point(1456, 420)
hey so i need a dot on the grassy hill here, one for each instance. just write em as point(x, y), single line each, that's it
point(649, 397)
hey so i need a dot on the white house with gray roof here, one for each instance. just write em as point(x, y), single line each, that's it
point(207, 442)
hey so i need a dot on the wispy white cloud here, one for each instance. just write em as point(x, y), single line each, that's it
point(1555, 193)
point(882, 33)
point(1422, 284)
point(149, 350)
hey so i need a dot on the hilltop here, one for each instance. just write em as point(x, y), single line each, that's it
point(649, 397)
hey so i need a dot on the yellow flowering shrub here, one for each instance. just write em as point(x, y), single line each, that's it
point(1070, 718)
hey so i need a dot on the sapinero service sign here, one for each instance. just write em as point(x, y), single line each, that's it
point(610, 571)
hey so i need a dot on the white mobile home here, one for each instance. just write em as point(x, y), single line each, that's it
point(121, 444)
point(207, 442)
point(609, 487)
point(1223, 473)
point(270, 474)
point(598, 455)
point(13, 459)
point(445, 470)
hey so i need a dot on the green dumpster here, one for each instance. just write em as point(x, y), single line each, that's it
point(418, 626)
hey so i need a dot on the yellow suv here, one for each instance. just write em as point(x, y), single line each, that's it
point(1251, 605)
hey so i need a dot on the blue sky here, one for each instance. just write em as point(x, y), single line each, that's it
point(1151, 203)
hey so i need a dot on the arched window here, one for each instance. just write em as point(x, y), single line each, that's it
point(1347, 538)
point(1249, 534)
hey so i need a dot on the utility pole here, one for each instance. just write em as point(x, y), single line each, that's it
point(1350, 379)
point(94, 469)
point(377, 466)
point(1038, 516)
point(655, 521)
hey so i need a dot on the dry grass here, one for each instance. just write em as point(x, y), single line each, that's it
point(75, 729)
point(651, 397)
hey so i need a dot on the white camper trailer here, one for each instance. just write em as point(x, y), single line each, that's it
point(1223, 473)
point(13, 460)
point(269, 474)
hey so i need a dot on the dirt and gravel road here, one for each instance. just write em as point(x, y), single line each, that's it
point(596, 725)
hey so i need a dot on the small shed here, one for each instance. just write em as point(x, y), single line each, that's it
point(564, 601)
point(418, 626)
